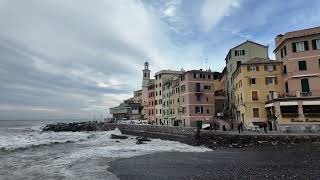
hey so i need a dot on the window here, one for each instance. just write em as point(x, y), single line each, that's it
point(207, 111)
point(198, 98)
point(283, 51)
point(255, 112)
point(156, 84)
point(302, 65)
point(199, 110)
point(159, 84)
point(271, 80)
point(197, 87)
point(209, 77)
point(183, 88)
point(207, 99)
point(319, 63)
point(238, 63)
point(269, 67)
point(160, 111)
point(253, 81)
point(316, 44)
point(160, 76)
point(300, 46)
point(254, 95)
point(305, 85)
point(239, 52)
point(284, 69)
point(287, 87)
point(207, 87)
point(156, 93)
point(252, 68)
point(159, 92)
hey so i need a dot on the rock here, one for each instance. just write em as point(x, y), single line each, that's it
point(117, 141)
point(114, 136)
point(140, 142)
point(142, 139)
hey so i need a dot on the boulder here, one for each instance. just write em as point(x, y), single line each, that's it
point(114, 136)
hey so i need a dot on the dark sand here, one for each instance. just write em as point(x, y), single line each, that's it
point(285, 162)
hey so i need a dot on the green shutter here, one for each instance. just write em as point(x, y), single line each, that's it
point(294, 47)
point(306, 45)
point(314, 44)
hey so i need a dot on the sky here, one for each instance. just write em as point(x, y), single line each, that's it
point(76, 59)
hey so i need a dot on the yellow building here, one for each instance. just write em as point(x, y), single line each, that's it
point(253, 81)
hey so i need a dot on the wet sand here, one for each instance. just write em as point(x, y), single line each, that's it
point(278, 162)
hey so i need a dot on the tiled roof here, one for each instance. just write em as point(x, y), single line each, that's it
point(258, 60)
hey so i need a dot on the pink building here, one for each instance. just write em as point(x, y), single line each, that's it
point(151, 102)
point(298, 110)
point(197, 98)
point(300, 53)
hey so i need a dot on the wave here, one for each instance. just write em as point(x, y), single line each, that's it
point(24, 138)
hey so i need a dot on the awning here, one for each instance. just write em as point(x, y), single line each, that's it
point(269, 105)
point(310, 102)
point(294, 103)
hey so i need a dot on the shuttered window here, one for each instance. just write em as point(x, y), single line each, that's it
point(302, 65)
point(300, 46)
point(255, 96)
point(255, 112)
point(316, 44)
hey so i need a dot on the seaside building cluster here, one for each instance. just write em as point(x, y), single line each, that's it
point(283, 94)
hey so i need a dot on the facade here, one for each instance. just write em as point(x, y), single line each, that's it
point(170, 99)
point(160, 78)
point(300, 53)
point(253, 82)
point(298, 109)
point(128, 110)
point(144, 93)
point(197, 98)
point(137, 96)
point(237, 55)
point(151, 102)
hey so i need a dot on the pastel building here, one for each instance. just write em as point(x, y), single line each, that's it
point(160, 78)
point(254, 81)
point(197, 98)
point(170, 99)
point(298, 109)
point(151, 102)
point(237, 55)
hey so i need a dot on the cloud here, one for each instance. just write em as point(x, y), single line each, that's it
point(213, 11)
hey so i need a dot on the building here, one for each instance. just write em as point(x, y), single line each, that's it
point(128, 110)
point(298, 109)
point(237, 55)
point(144, 90)
point(300, 53)
point(160, 78)
point(219, 84)
point(170, 99)
point(137, 96)
point(254, 81)
point(197, 98)
point(151, 103)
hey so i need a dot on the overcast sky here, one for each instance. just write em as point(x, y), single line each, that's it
point(77, 58)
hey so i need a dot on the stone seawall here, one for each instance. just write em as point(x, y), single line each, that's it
point(210, 139)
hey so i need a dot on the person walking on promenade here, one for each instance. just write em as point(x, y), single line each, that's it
point(241, 126)
point(265, 127)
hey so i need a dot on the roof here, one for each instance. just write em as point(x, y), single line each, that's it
point(198, 71)
point(258, 60)
point(168, 72)
point(248, 41)
point(280, 39)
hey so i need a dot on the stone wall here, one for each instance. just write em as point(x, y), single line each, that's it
point(210, 139)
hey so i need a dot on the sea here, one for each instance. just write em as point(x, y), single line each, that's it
point(28, 153)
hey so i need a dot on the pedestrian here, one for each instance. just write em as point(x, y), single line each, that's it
point(232, 126)
point(265, 127)
point(239, 128)
point(211, 127)
point(215, 126)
